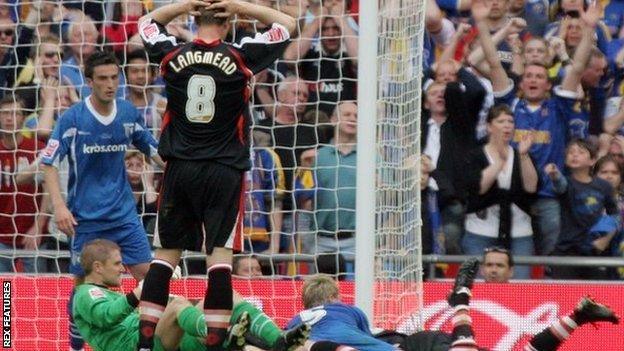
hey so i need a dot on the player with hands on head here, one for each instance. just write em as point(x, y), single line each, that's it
point(205, 141)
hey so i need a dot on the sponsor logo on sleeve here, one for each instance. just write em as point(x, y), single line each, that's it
point(96, 293)
point(51, 148)
point(149, 30)
point(128, 129)
point(275, 35)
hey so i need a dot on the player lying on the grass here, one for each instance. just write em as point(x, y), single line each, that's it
point(333, 320)
point(108, 320)
point(462, 338)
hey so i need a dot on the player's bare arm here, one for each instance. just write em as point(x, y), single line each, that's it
point(266, 15)
point(166, 14)
point(64, 218)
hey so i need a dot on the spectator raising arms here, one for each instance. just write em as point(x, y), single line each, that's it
point(553, 120)
point(449, 132)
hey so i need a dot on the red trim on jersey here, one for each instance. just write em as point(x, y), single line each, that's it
point(240, 128)
point(239, 244)
point(241, 63)
point(165, 121)
point(166, 59)
point(160, 191)
point(208, 44)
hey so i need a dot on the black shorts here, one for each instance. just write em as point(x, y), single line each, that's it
point(197, 198)
point(427, 341)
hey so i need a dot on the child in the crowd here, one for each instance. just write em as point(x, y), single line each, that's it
point(609, 169)
point(584, 201)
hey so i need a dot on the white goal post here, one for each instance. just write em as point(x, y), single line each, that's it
point(389, 287)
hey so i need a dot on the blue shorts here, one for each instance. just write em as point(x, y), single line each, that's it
point(130, 237)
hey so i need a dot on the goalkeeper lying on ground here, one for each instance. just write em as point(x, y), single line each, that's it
point(344, 324)
point(109, 321)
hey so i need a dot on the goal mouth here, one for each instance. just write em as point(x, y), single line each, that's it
point(293, 215)
point(393, 111)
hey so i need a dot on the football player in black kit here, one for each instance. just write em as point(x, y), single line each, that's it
point(462, 337)
point(205, 142)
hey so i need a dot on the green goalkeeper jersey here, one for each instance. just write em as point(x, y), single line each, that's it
point(105, 318)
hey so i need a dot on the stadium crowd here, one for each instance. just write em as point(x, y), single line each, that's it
point(522, 127)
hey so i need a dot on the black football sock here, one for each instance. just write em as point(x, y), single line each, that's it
point(218, 304)
point(154, 296)
point(550, 338)
point(463, 334)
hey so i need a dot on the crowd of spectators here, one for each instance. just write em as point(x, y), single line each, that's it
point(517, 157)
point(522, 127)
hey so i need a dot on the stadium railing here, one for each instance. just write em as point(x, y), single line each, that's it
point(429, 260)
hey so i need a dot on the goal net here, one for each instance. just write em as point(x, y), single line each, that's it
point(398, 294)
point(300, 199)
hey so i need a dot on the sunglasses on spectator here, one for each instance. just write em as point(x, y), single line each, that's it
point(7, 32)
point(496, 249)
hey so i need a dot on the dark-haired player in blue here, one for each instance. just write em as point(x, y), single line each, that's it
point(94, 135)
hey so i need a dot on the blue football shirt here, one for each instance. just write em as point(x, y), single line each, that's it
point(98, 195)
point(340, 323)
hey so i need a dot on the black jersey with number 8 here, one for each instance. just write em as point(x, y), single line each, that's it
point(207, 85)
